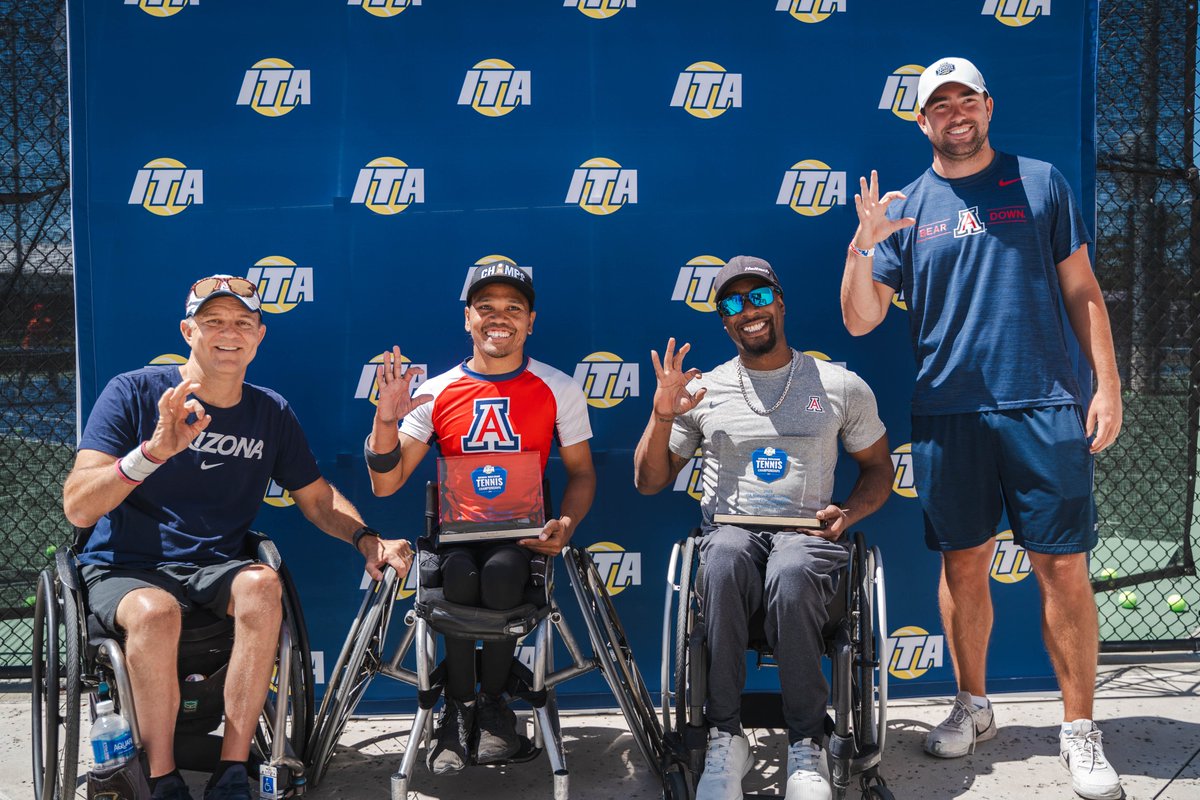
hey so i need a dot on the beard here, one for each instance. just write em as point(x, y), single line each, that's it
point(961, 151)
point(761, 346)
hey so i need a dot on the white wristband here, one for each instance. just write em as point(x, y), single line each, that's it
point(137, 465)
point(870, 251)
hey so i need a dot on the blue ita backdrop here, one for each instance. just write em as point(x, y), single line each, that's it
point(357, 158)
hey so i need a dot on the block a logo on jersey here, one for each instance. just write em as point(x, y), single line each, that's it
point(282, 285)
point(162, 8)
point(387, 185)
point(273, 87)
point(489, 260)
point(599, 9)
point(368, 383)
point(601, 186)
point(494, 88)
point(1015, 13)
point(969, 223)
point(278, 496)
point(900, 92)
point(166, 187)
point(688, 479)
point(606, 380)
point(811, 188)
point(696, 284)
point(903, 483)
point(705, 90)
point(167, 358)
point(811, 10)
point(1010, 563)
point(618, 568)
point(383, 8)
point(491, 428)
point(914, 652)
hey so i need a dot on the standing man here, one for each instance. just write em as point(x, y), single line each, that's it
point(499, 400)
point(768, 422)
point(985, 246)
point(171, 470)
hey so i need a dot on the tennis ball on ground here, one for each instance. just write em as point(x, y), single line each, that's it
point(1128, 599)
point(1107, 574)
point(1177, 603)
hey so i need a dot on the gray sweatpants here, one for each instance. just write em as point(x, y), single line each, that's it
point(792, 575)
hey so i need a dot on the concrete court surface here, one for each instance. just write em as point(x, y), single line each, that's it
point(1148, 707)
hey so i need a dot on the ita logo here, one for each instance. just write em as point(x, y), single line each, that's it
point(769, 463)
point(705, 90)
point(811, 10)
point(387, 185)
point(384, 8)
point(1015, 13)
point(162, 8)
point(688, 479)
point(494, 88)
point(902, 482)
point(618, 568)
point(273, 87)
point(167, 358)
point(601, 186)
point(282, 285)
point(899, 302)
point(1010, 563)
point(811, 188)
point(278, 496)
point(914, 651)
point(599, 9)
point(492, 259)
point(900, 92)
point(167, 187)
point(489, 480)
point(606, 380)
point(368, 382)
point(696, 284)
point(406, 589)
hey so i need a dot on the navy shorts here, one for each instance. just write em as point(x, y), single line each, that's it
point(1032, 462)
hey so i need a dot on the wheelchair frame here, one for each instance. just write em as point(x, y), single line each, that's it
point(66, 665)
point(859, 728)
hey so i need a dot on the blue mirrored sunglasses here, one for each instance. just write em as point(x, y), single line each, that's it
point(734, 303)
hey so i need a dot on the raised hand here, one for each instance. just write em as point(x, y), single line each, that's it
point(873, 223)
point(173, 433)
point(671, 397)
point(395, 396)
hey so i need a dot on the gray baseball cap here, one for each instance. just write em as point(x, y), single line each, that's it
point(744, 267)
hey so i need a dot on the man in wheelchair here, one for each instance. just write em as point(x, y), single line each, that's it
point(171, 470)
point(768, 423)
point(497, 401)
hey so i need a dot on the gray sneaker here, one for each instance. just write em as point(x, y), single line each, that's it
point(496, 729)
point(1083, 754)
point(959, 732)
point(450, 748)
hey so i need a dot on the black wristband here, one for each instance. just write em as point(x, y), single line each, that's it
point(380, 462)
point(360, 533)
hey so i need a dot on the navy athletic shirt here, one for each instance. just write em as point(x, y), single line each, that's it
point(198, 506)
point(978, 274)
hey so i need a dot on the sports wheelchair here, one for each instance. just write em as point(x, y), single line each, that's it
point(73, 655)
point(858, 686)
point(362, 658)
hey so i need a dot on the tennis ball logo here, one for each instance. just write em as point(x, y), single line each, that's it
point(166, 187)
point(406, 589)
point(618, 569)
point(272, 87)
point(601, 186)
point(162, 8)
point(902, 480)
point(1015, 13)
point(168, 358)
point(368, 382)
point(387, 185)
point(281, 284)
point(900, 92)
point(811, 187)
point(811, 11)
point(1010, 562)
point(899, 302)
point(494, 88)
point(688, 479)
point(914, 651)
point(606, 379)
point(706, 91)
point(384, 8)
point(696, 283)
point(277, 496)
point(599, 9)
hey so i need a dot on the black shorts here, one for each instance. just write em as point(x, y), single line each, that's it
point(193, 586)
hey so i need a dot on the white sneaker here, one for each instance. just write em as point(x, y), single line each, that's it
point(1083, 754)
point(725, 764)
point(808, 772)
point(959, 732)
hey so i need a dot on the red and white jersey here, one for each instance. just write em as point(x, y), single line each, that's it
point(521, 411)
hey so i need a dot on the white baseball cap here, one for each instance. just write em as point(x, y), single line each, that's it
point(948, 70)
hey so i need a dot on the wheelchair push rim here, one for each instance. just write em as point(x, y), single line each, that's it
point(56, 688)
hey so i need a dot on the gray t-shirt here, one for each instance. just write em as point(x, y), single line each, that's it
point(781, 464)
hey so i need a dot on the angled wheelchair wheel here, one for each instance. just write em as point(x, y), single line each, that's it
point(615, 657)
point(57, 685)
point(870, 623)
point(298, 716)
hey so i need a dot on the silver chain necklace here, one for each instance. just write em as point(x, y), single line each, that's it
point(746, 396)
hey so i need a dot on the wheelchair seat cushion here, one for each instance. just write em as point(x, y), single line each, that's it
point(469, 622)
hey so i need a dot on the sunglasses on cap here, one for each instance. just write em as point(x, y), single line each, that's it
point(239, 286)
point(732, 304)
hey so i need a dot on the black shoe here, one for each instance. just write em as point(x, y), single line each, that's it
point(451, 738)
point(233, 785)
point(497, 726)
point(171, 787)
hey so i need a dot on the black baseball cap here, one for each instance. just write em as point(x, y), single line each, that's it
point(501, 272)
point(745, 267)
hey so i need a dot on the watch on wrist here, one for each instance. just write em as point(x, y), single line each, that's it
point(361, 532)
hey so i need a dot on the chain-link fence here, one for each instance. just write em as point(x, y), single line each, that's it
point(37, 311)
point(1148, 244)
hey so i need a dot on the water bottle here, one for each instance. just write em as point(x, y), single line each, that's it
point(112, 741)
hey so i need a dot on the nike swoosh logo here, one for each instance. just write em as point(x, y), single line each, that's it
point(1004, 183)
point(206, 465)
